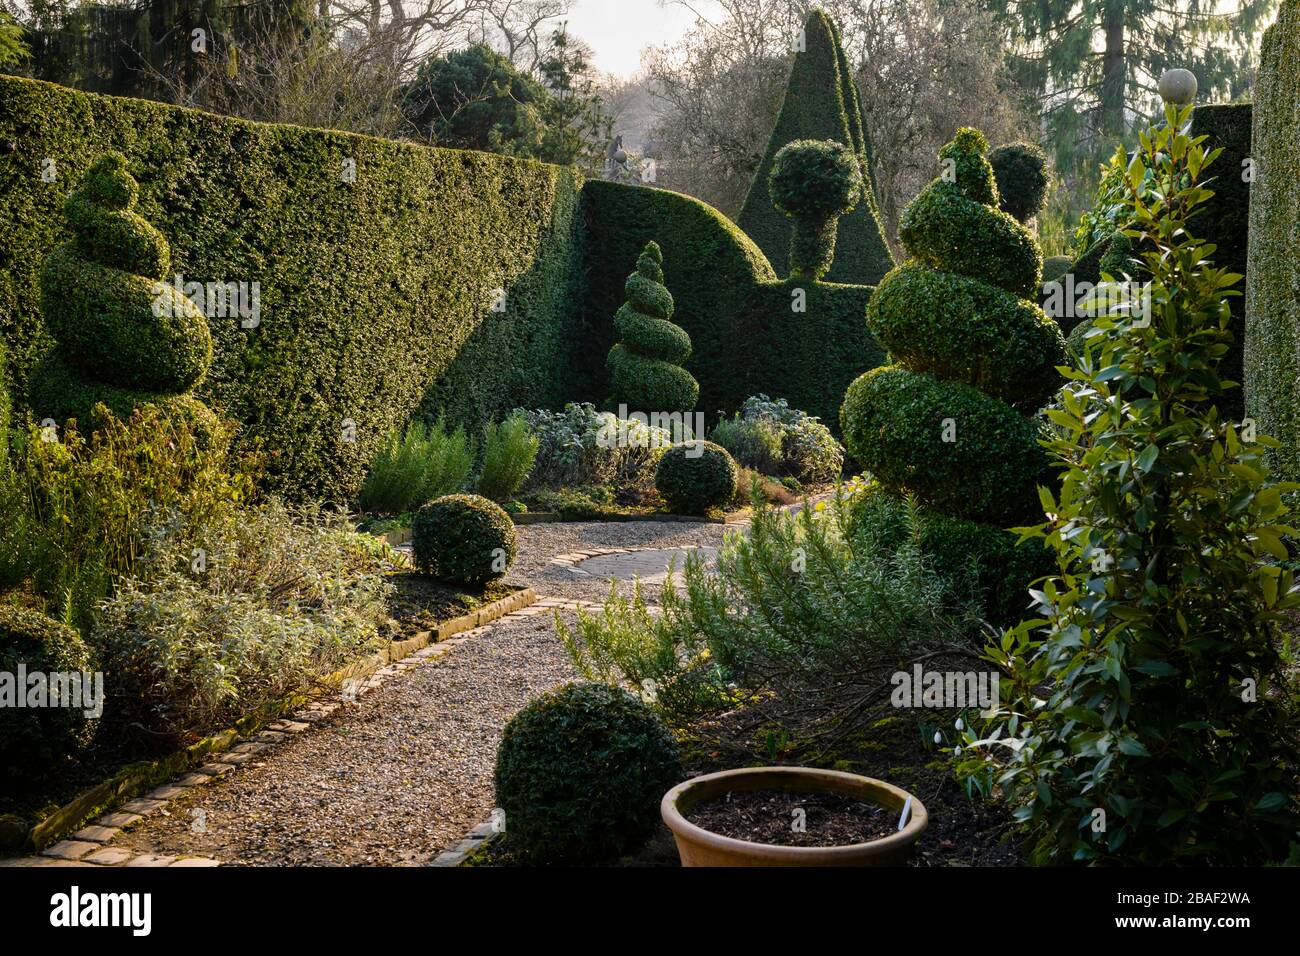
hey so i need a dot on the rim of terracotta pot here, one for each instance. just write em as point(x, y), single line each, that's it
point(807, 780)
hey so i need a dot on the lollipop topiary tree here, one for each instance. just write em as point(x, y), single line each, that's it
point(125, 337)
point(645, 364)
point(813, 183)
point(953, 423)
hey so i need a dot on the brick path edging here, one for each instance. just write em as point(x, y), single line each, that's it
point(229, 749)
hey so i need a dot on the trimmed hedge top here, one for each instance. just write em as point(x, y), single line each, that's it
point(821, 103)
point(1272, 360)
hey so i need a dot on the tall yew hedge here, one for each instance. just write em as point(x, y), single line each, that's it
point(1272, 351)
point(430, 279)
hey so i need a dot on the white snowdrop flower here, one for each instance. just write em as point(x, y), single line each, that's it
point(938, 737)
point(959, 725)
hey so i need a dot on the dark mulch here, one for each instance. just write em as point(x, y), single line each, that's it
point(779, 818)
point(421, 604)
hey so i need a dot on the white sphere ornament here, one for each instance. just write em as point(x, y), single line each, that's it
point(1178, 87)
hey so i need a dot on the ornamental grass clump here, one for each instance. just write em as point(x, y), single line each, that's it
point(1147, 716)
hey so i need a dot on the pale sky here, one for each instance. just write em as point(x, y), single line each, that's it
point(618, 30)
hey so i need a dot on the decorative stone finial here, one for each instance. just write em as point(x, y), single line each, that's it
point(1178, 87)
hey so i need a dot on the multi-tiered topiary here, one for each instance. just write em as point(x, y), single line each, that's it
point(813, 183)
point(645, 365)
point(125, 336)
point(953, 422)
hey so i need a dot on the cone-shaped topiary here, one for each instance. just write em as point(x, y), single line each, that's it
point(814, 183)
point(645, 364)
point(952, 423)
point(821, 103)
point(125, 337)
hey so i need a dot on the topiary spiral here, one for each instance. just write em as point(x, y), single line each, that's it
point(952, 423)
point(125, 337)
point(645, 366)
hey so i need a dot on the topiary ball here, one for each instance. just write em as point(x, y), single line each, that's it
point(31, 738)
point(580, 773)
point(463, 539)
point(1021, 172)
point(696, 476)
point(815, 179)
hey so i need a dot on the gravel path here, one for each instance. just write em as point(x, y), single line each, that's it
point(404, 772)
point(388, 781)
point(539, 543)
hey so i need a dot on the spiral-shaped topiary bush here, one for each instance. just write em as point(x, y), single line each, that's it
point(645, 365)
point(953, 422)
point(125, 336)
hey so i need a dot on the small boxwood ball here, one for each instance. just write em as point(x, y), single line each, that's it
point(580, 773)
point(696, 476)
point(33, 738)
point(463, 539)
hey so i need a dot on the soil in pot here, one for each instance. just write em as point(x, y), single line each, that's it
point(774, 817)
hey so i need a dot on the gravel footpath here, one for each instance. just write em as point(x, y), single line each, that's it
point(404, 772)
point(539, 543)
point(387, 781)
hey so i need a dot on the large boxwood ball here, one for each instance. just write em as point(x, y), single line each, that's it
point(696, 476)
point(580, 773)
point(463, 539)
point(32, 738)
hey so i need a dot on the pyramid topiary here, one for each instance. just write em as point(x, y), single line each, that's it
point(821, 103)
point(953, 422)
point(645, 364)
point(125, 337)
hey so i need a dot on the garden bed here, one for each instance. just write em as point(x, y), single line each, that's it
point(424, 613)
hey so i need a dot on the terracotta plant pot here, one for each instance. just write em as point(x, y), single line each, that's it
point(699, 847)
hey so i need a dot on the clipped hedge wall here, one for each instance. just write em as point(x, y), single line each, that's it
point(821, 102)
point(1225, 219)
point(746, 334)
point(376, 295)
point(1272, 354)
